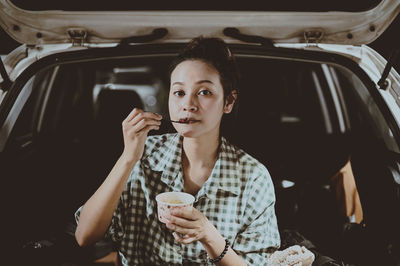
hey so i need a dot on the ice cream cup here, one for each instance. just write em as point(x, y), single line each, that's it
point(168, 201)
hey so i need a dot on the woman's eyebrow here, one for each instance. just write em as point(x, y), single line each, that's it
point(197, 82)
point(177, 83)
point(204, 81)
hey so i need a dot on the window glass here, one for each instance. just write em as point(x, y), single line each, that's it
point(26, 108)
point(363, 110)
point(288, 94)
point(278, 100)
point(2, 94)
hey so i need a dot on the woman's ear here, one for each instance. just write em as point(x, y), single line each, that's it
point(230, 101)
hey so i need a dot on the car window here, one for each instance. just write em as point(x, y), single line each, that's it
point(363, 110)
point(26, 109)
point(289, 95)
point(2, 94)
point(286, 93)
point(395, 88)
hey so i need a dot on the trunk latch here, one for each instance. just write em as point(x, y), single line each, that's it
point(313, 36)
point(78, 36)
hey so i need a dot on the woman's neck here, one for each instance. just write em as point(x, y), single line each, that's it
point(201, 152)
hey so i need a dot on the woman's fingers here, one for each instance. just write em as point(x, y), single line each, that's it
point(183, 240)
point(132, 114)
point(135, 128)
point(139, 121)
point(148, 128)
point(142, 124)
point(179, 229)
point(181, 221)
point(189, 214)
point(141, 115)
point(190, 223)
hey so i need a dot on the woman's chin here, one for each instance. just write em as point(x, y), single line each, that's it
point(196, 132)
point(188, 133)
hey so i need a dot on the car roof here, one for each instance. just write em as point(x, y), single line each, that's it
point(58, 26)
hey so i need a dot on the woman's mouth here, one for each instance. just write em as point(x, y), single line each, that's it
point(188, 120)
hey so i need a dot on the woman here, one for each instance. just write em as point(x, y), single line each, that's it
point(233, 220)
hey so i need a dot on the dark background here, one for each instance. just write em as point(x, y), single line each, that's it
point(384, 45)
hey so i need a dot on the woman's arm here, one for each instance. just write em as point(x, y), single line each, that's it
point(196, 227)
point(97, 212)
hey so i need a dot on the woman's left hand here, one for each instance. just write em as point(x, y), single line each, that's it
point(192, 225)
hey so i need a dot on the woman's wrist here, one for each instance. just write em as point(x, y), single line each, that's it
point(128, 159)
point(223, 253)
point(214, 242)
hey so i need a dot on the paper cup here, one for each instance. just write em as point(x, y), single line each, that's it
point(168, 201)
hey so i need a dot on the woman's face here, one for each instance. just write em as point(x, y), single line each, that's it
point(196, 95)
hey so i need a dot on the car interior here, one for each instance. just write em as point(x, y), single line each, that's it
point(304, 120)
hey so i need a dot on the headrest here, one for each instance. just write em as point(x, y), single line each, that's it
point(115, 105)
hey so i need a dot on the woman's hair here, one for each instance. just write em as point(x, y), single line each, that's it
point(215, 52)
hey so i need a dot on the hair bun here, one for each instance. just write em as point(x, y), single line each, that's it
point(207, 48)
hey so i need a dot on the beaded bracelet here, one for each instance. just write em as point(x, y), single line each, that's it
point(219, 258)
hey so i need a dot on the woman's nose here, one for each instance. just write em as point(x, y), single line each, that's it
point(190, 104)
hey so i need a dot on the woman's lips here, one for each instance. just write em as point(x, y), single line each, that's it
point(188, 120)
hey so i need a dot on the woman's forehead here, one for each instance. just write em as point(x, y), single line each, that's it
point(195, 71)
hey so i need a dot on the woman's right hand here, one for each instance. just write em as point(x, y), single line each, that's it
point(135, 128)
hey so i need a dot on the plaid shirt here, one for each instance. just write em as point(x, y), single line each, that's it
point(238, 199)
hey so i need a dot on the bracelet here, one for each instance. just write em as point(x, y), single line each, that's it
point(219, 258)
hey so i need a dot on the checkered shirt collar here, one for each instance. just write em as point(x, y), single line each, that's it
point(167, 159)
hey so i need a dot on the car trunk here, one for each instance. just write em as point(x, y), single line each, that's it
point(68, 136)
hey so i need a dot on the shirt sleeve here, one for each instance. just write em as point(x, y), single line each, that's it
point(116, 230)
point(259, 236)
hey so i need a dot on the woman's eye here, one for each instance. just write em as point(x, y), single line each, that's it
point(179, 93)
point(204, 92)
